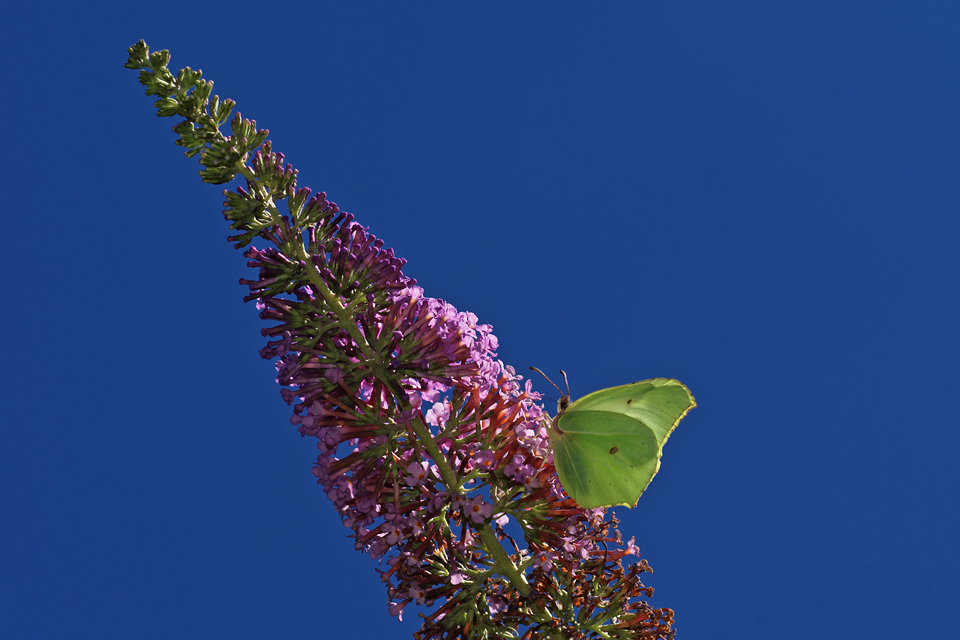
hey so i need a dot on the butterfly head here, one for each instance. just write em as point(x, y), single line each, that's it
point(564, 401)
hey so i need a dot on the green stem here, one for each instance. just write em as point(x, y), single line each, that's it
point(504, 564)
point(333, 302)
point(487, 536)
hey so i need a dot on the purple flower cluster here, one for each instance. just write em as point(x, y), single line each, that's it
point(434, 453)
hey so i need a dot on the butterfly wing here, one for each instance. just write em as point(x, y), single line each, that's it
point(604, 458)
point(609, 442)
point(660, 403)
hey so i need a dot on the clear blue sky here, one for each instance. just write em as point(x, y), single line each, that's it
point(760, 200)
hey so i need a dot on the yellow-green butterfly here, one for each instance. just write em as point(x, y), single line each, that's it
point(607, 445)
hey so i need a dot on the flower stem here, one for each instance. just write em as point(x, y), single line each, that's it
point(489, 538)
point(506, 566)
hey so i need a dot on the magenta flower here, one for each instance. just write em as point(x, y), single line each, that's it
point(479, 510)
point(418, 473)
point(484, 459)
point(396, 608)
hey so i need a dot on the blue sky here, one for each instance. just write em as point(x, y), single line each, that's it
point(760, 200)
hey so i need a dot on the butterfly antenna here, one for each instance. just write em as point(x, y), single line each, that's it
point(565, 381)
point(551, 381)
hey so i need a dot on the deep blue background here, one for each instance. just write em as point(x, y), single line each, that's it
point(760, 200)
